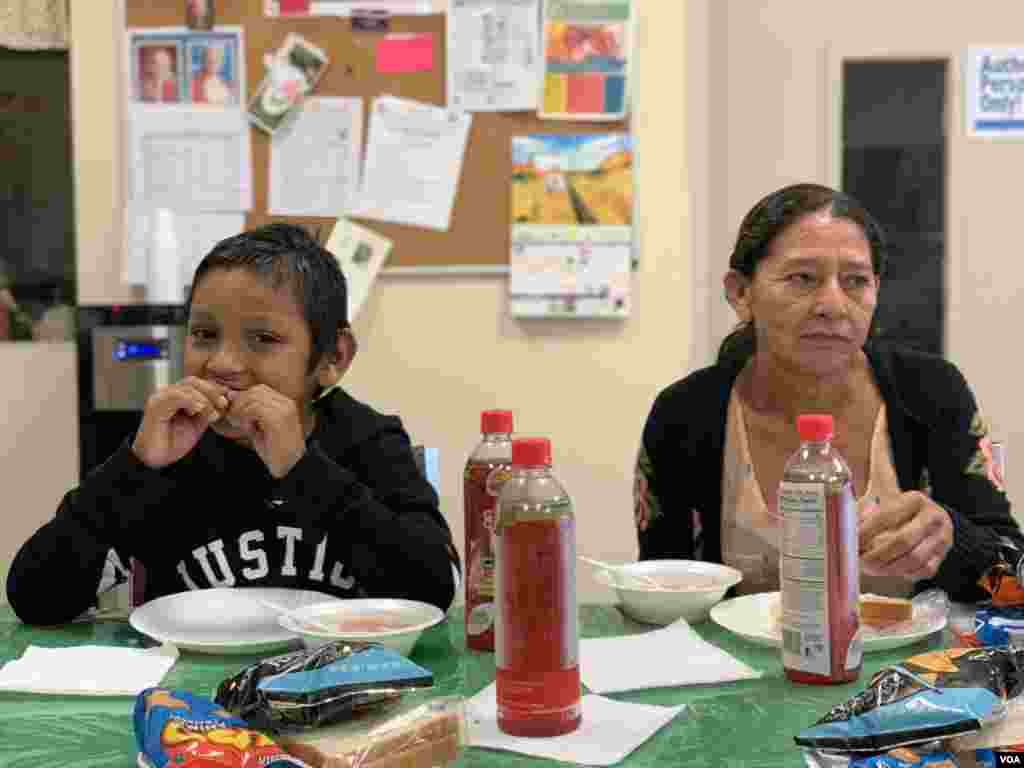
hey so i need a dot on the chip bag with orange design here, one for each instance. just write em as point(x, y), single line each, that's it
point(177, 729)
point(1005, 580)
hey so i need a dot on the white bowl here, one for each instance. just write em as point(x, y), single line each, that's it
point(710, 582)
point(410, 616)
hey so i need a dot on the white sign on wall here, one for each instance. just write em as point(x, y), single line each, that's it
point(994, 92)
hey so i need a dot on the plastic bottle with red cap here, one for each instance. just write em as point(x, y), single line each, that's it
point(536, 632)
point(819, 571)
point(486, 469)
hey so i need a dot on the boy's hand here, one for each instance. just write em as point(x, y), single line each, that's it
point(174, 419)
point(274, 425)
point(907, 536)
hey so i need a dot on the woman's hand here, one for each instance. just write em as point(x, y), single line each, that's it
point(174, 419)
point(908, 535)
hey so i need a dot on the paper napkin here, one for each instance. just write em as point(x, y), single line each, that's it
point(88, 670)
point(671, 656)
point(609, 731)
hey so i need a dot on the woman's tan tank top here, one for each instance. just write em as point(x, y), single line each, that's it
point(750, 532)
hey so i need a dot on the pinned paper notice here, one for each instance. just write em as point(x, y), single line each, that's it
point(361, 252)
point(405, 53)
point(413, 161)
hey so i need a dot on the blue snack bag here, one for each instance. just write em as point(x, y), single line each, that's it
point(994, 625)
point(930, 696)
point(314, 687)
point(177, 729)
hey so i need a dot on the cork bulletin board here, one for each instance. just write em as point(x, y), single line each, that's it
point(479, 233)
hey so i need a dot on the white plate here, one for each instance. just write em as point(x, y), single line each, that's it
point(222, 620)
point(752, 617)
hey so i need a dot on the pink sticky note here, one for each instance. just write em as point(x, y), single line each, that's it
point(405, 53)
point(294, 6)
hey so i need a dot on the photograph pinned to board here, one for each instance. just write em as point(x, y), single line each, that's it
point(414, 154)
point(994, 84)
point(572, 225)
point(493, 59)
point(361, 252)
point(173, 65)
point(293, 71)
point(156, 67)
point(200, 14)
point(585, 71)
point(274, 8)
point(314, 160)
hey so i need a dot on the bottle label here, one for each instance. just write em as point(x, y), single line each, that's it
point(803, 564)
point(479, 619)
point(855, 653)
point(820, 580)
point(482, 483)
point(536, 628)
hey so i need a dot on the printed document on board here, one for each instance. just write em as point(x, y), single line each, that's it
point(189, 159)
point(413, 162)
point(493, 54)
point(314, 160)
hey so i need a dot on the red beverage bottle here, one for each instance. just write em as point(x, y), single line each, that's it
point(536, 632)
point(487, 468)
point(819, 571)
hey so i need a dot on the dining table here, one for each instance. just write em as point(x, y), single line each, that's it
point(745, 723)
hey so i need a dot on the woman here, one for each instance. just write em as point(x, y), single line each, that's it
point(803, 280)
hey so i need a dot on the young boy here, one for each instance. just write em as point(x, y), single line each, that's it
point(242, 474)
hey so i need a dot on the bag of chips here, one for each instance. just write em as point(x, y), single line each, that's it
point(177, 729)
point(310, 688)
point(1005, 580)
point(931, 696)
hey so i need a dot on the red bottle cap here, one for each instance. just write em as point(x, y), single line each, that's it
point(495, 421)
point(531, 451)
point(814, 427)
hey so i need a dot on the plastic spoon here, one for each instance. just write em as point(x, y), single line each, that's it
point(309, 623)
point(621, 575)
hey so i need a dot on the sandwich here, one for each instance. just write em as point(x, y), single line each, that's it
point(880, 612)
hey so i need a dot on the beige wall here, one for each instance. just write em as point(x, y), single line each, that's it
point(437, 350)
point(38, 439)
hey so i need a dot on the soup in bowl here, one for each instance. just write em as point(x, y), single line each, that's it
point(391, 622)
point(662, 591)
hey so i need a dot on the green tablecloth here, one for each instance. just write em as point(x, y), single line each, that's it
point(750, 723)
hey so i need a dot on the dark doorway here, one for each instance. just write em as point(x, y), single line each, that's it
point(894, 162)
point(37, 262)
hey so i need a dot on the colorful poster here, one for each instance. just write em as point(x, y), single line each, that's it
point(994, 98)
point(572, 225)
point(585, 73)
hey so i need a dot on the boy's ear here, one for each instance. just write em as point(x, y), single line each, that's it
point(337, 361)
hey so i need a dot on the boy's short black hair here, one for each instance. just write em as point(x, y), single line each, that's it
point(289, 256)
